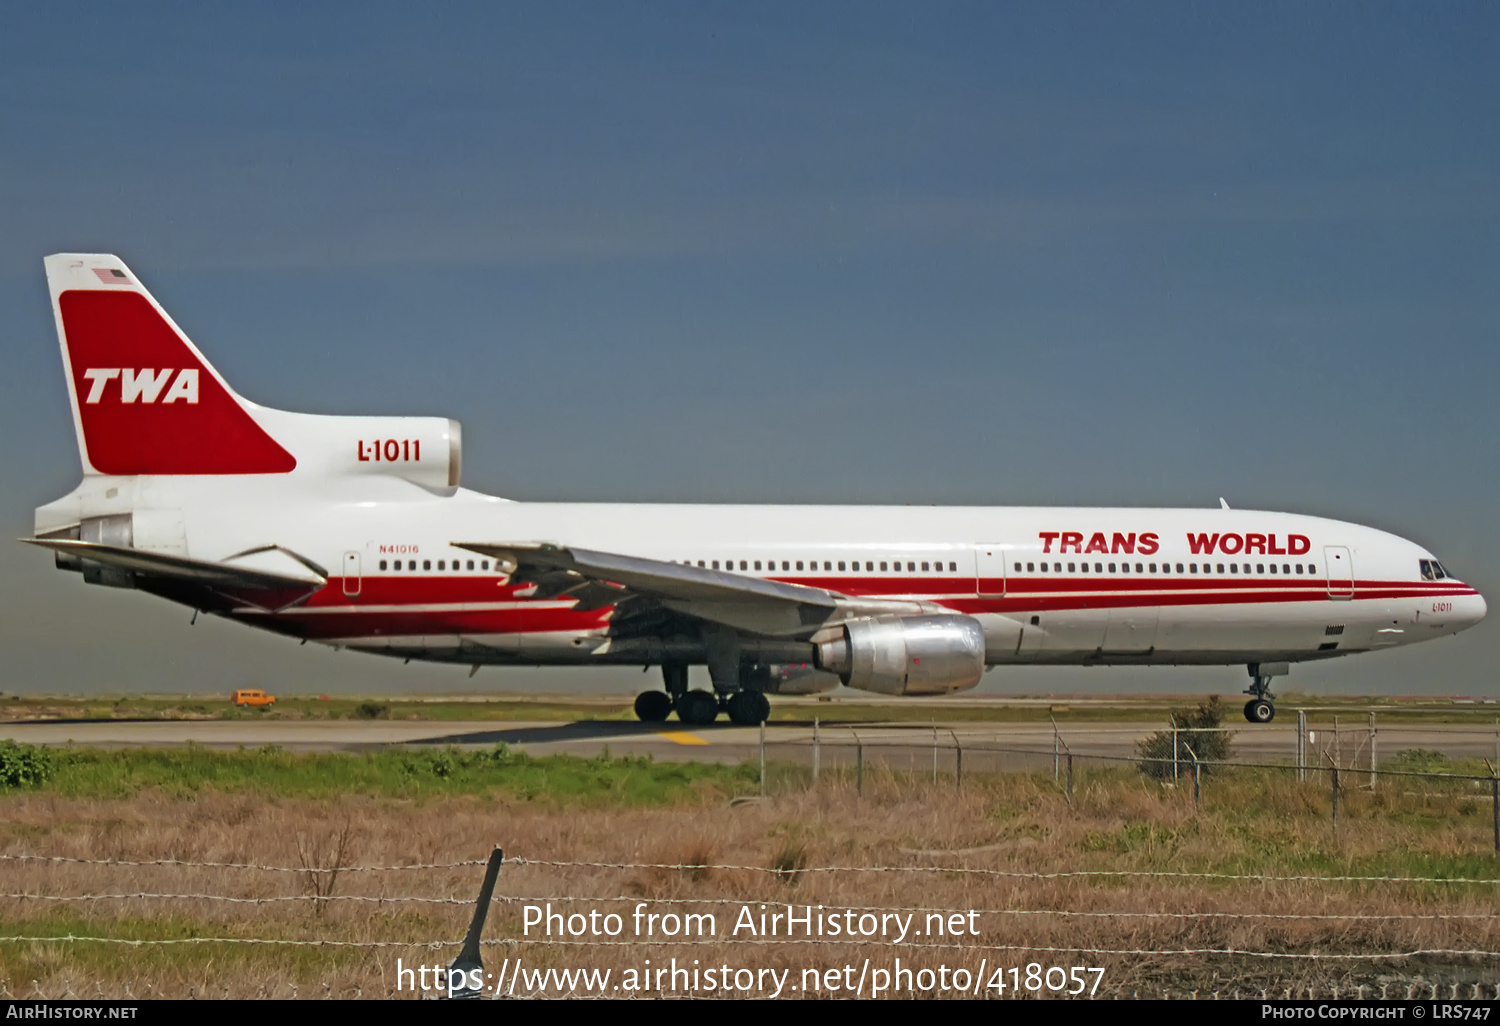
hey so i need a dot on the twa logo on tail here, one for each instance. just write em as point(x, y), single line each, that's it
point(145, 401)
point(144, 384)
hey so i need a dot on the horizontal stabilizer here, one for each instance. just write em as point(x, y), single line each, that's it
point(293, 580)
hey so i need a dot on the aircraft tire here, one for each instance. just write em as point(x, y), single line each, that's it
point(748, 708)
point(697, 708)
point(653, 706)
point(1258, 710)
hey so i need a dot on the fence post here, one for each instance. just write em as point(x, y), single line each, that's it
point(1302, 744)
point(934, 752)
point(1495, 809)
point(958, 763)
point(762, 758)
point(1373, 754)
point(859, 765)
point(1197, 777)
point(1070, 776)
point(1174, 748)
point(1057, 748)
point(817, 750)
point(469, 959)
point(1335, 774)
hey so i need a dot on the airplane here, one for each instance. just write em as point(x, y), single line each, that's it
point(354, 532)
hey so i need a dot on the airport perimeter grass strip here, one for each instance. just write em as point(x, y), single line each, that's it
point(1005, 873)
point(778, 872)
point(153, 942)
point(237, 865)
point(316, 898)
point(512, 899)
point(425, 772)
point(799, 942)
point(1369, 956)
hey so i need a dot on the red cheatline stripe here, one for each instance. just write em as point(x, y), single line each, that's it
point(351, 621)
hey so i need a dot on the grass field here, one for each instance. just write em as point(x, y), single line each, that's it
point(838, 709)
point(941, 848)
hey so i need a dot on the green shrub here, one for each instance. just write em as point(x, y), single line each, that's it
point(1193, 731)
point(372, 710)
point(451, 762)
point(23, 765)
point(1420, 760)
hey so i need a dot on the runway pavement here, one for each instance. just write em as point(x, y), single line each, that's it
point(896, 742)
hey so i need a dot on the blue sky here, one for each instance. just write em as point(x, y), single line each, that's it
point(1035, 253)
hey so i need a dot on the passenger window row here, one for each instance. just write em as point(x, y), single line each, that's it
point(442, 564)
point(829, 565)
point(1166, 568)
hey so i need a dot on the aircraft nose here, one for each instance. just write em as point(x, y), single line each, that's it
point(1469, 610)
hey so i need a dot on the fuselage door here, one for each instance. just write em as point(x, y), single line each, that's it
point(1340, 567)
point(351, 574)
point(989, 571)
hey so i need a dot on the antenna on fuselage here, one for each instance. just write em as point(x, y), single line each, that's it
point(1222, 503)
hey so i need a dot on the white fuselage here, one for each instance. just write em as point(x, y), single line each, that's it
point(1049, 585)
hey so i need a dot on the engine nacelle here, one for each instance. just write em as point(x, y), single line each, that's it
point(907, 655)
point(800, 679)
point(427, 451)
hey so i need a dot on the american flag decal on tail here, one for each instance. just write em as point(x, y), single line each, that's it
point(110, 276)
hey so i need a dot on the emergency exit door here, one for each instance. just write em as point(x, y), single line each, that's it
point(351, 574)
point(1340, 567)
point(989, 571)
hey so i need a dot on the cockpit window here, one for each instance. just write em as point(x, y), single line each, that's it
point(1432, 570)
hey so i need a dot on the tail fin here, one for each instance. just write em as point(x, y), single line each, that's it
point(145, 401)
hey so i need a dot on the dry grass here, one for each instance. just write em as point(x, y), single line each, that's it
point(1019, 823)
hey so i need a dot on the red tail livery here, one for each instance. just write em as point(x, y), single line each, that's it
point(145, 400)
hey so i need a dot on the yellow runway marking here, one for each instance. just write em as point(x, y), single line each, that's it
point(682, 737)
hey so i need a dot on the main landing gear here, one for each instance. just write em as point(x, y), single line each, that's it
point(698, 708)
point(1260, 708)
point(747, 708)
point(653, 706)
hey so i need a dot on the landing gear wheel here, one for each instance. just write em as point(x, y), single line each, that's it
point(653, 706)
point(697, 708)
point(1258, 710)
point(747, 708)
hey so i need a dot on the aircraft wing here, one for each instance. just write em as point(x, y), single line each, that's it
point(604, 578)
point(293, 580)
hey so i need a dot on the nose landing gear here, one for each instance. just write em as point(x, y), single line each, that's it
point(1260, 708)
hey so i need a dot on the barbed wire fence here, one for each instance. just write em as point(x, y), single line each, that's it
point(437, 946)
point(1344, 761)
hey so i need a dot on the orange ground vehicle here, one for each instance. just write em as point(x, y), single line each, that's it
point(251, 696)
